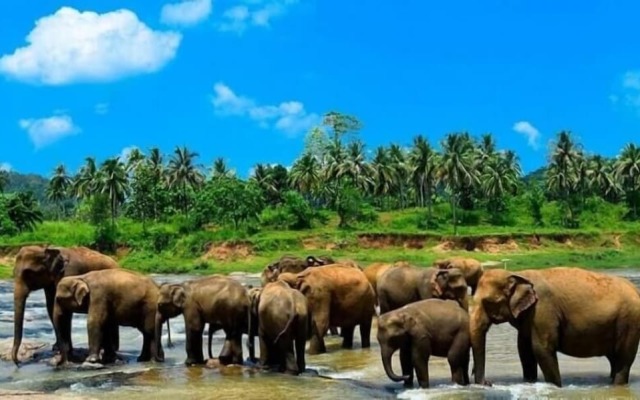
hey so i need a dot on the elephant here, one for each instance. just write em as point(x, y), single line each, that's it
point(292, 264)
point(470, 267)
point(284, 324)
point(111, 298)
point(338, 295)
point(569, 310)
point(375, 270)
point(220, 301)
point(404, 284)
point(432, 327)
point(42, 267)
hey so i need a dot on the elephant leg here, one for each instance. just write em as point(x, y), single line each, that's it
point(291, 367)
point(147, 343)
point(235, 348)
point(96, 325)
point(546, 356)
point(612, 364)
point(333, 330)
point(62, 325)
point(194, 326)
point(458, 358)
point(347, 336)
point(300, 344)
point(210, 339)
point(406, 363)
point(320, 326)
point(625, 356)
point(527, 358)
point(420, 360)
point(365, 333)
point(50, 295)
point(109, 354)
point(264, 351)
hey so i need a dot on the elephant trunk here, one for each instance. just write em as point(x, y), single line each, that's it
point(478, 328)
point(387, 352)
point(20, 294)
point(158, 332)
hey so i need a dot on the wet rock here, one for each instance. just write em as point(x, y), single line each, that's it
point(29, 350)
point(31, 395)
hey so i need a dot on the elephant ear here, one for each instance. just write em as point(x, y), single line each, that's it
point(254, 299)
point(439, 281)
point(54, 260)
point(178, 296)
point(522, 295)
point(81, 291)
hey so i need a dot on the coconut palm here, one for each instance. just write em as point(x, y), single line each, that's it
point(627, 170)
point(457, 169)
point(220, 169)
point(562, 172)
point(58, 189)
point(383, 173)
point(423, 169)
point(23, 210)
point(85, 182)
point(305, 175)
point(183, 173)
point(499, 178)
point(602, 178)
point(114, 184)
point(355, 167)
point(400, 166)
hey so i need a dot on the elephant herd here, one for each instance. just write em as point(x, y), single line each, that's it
point(420, 311)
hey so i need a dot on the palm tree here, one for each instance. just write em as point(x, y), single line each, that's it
point(158, 174)
point(114, 183)
point(500, 177)
point(264, 179)
point(355, 167)
point(183, 173)
point(561, 174)
point(400, 166)
point(383, 173)
point(602, 178)
point(424, 161)
point(305, 175)
point(627, 170)
point(23, 210)
point(156, 162)
point(58, 189)
point(134, 159)
point(457, 169)
point(85, 182)
point(220, 169)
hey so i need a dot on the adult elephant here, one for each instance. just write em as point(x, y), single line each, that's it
point(374, 271)
point(110, 298)
point(405, 284)
point(338, 295)
point(470, 267)
point(563, 309)
point(220, 301)
point(42, 267)
point(282, 317)
point(292, 264)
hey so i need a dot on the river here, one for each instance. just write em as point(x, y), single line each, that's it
point(352, 374)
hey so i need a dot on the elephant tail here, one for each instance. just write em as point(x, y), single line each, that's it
point(286, 328)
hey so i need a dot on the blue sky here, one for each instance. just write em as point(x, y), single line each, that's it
point(245, 79)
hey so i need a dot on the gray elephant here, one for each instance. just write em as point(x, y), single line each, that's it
point(403, 284)
point(42, 267)
point(111, 298)
point(576, 312)
point(471, 269)
point(220, 301)
point(426, 328)
point(284, 325)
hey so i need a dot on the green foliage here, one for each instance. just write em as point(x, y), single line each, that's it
point(294, 213)
point(105, 238)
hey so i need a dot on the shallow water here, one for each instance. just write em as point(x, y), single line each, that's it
point(353, 374)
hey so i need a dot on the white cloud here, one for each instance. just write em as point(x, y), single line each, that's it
point(72, 46)
point(289, 117)
point(533, 135)
point(254, 13)
point(5, 167)
point(186, 12)
point(101, 108)
point(44, 131)
point(629, 91)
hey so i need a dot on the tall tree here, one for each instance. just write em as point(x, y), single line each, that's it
point(424, 162)
point(562, 175)
point(58, 189)
point(114, 184)
point(305, 175)
point(220, 169)
point(628, 174)
point(85, 183)
point(383, 174)
point(184, 173)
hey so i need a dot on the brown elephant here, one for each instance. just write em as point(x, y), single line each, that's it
point(432, 327)
point(220, 301)
point(283, 319)
point(470, 267)
point(563, 309)
point(42, 267)
point(405, 284)
point(292, 264)
point(375, 270)
point(337, 296)
point(110, 298)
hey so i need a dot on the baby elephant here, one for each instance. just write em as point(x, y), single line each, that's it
point(283, 318)
point(422, 329)
point(110, 298)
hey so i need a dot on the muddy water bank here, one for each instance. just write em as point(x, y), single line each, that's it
point(353, 374)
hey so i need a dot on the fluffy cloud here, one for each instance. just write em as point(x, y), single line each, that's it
point(44, 131)
point(72, 46)
point(289, 117)
point(186, 12)
point(629, 93)
point(255, 13)
point(533, 135)
point(5, 167)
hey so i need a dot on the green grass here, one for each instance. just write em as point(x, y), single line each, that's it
point(173, 248)
point(6, 272)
